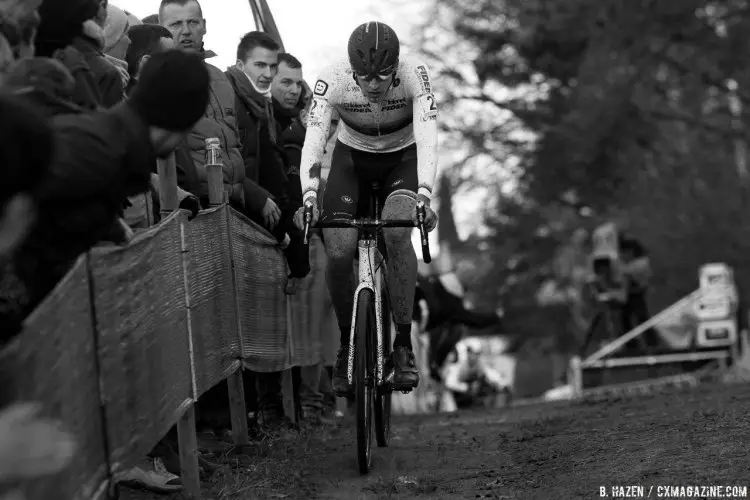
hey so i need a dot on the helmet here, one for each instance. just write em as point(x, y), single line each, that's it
point(373, 49)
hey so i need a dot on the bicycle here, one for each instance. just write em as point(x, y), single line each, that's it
point(370, 338)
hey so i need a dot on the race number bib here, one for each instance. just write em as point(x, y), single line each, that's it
point(429, 107)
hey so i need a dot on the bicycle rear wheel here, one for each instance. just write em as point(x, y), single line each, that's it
point(364, 377)
point(383, 393)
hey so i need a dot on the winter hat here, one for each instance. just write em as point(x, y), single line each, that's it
point(115, 27)
point(172, 90)
point(61, 22)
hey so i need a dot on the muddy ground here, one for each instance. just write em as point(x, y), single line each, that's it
point(562, 451)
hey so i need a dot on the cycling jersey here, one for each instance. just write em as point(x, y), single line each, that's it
point(406, 115)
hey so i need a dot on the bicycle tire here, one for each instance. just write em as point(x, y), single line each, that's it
point(364, 377)
point(383, 394)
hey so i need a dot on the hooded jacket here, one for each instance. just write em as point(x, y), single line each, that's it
point(220, 122)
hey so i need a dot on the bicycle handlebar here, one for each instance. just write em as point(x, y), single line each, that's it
point(375, 224)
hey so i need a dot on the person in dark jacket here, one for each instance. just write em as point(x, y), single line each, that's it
point(288, 100)
point(61, 28)
point(251, 79)
point(287, 91)
point(269, 192)
point(184, 19)
point(101, 159)
point(147, 40)
point(106, 75)
point(143, 211)
point(25, 156)
point(46, 83)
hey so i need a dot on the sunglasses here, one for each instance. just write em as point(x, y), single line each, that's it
point(381, 75)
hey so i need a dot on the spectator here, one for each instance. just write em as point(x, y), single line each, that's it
point(25, 156)
point(45, 82)
point(184, 19)
point(61, 21)
point(251, 80)
point(266, 181)
point(30, 446)
point(142, 211)
point(102, 158)
point(636, 267)
point(79, 48)
point(117, 41)
point(288, 100)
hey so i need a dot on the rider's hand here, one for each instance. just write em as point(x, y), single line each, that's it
point(271, 213)
point(299, 216)
point(430, 217)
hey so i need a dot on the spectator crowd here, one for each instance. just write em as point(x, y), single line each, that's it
point(91, 98)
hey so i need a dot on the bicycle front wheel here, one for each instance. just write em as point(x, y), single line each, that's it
point(364, 377)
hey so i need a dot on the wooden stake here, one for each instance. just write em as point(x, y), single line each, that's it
point(167, 169)
point(188, 444)
point(237, 408)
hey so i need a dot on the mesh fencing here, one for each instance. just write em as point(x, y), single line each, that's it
point(53, 362)
point(117, 350)
point(216, 346)
point(261, 273)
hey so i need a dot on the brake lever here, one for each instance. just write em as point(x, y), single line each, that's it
point(421, 214)
point(308, 221)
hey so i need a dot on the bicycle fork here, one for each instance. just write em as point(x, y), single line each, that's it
point(370, 278)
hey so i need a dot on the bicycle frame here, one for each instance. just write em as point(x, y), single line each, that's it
point(371, 269)
point(369, 279)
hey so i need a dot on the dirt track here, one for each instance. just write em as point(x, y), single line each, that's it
point(699, 437)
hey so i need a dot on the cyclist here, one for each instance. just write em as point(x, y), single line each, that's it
point(388, 135)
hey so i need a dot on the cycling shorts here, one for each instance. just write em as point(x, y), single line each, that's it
point(349, 184)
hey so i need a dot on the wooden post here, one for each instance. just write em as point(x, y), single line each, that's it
point(215, 176)
point(287, 395)
point(237, 408)
point(188, 444)
point(575, 376)
point(167, 169)
point(287, 378)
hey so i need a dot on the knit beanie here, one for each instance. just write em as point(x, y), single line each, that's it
point(172, 90)
point(61, 22)
point(115, 27)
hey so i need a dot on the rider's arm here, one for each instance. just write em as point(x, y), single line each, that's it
point(452, 378)
point(318, 127)
point(425, 127)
